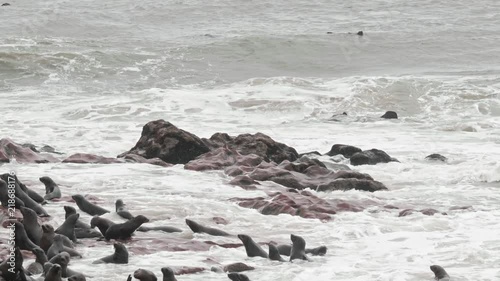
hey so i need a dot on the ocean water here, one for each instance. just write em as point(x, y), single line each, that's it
point(86, 76)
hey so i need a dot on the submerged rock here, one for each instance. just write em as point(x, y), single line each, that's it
point(346, 150)
point(390, 115)
point(436, 157)
point(371, 157)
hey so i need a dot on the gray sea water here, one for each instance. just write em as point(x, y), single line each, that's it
point(85, 76)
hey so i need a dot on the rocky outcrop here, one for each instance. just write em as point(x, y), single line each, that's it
point(346, 150)
point(11, 150)
point(84, 158)
point(371, 157)
point(160, 139)
point(258, 144)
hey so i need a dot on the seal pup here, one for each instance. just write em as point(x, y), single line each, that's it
point(88, 207)
point(36, 267)
point(54, 273)
point(125, 230)
point(439, 273)
point(252, 248)
point(58, 247)
point(51, 188)
point(48, 238)
point(120, 255)
point(101, 223)
point(318, 251)
point(63, 259)
point(31, 225)
point(198, 228)
point(238, 277)
point(21, 239)
point(145, 275)
point(77, 277)
point(122, 211)
point(298, 248)
point(68, 227)
point(168, 274)
point(274, 253)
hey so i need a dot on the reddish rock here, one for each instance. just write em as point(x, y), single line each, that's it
point(181, 270)
point(139, 159)
point(161, 139)
point(11, 150)
point(84, 158)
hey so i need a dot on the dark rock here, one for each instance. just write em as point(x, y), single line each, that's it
point(9, 149)
point(258, 144)
point(346, 150)
point(83, 158)
point(161, 139)
point(329, 32)
point(371, 157)
point(390, 115)
point(360, 33)
point(309, 153)
point(5, 4)
point(436, 157)
point(153, 161)
point(352, 183)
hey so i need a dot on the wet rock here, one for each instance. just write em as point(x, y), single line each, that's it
point(139, 159)
point(346, 150)
point(45, 148)
point(84, 158)
point(345, 184)
point(360, 33)
point(436, 157)
point(390, 115)
point(244, 182)
point(237, 267)
point(310, 153)
point(181, 270)
point(160, 139)
point(221, 158)
point(427, 212)
point(5, 4)
point(258, 144)
point(371, 157)
point(9, 150)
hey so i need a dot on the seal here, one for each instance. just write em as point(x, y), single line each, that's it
point(274, 253)
point(168, 274)
point(298, 248)
point(58, 247)
point(37, 266)
point(54, 273)
point(101, 223)
point(120, 256)
point(51, 188)
point(318, 251)
point(88, 207)
point(63, 259)
point(4, 196)
point(68, 227)
point(125, 230)
point(145, 275)
point(439, 273)
point(31, 225)
point(6, 266)
point(22, 240)
point(168, 229)
point(198, 228)
point(31, 193)
point(28, 202)
point(252, 248)
point(69, 211)
point(77, 277)
point(48, 238)
point(122, 211)
point(238, 277)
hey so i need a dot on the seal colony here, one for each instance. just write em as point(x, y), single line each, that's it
point(55, 247)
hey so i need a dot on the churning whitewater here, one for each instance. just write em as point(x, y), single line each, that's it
point(87, 76)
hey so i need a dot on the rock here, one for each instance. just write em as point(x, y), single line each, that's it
point(9, 149)
point(258, 144)
point(83, 158)
point(360, 33)
point(5, 4)
point(352, 183)
point(161, 139)
point(427, 212)
point(310, 153)
point(139, 159)
point(436, 157)
point(237, 267)
point(346, 150)
point(371, 157)
point(390, 115)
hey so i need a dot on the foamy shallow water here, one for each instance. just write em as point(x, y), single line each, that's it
point(86, 79)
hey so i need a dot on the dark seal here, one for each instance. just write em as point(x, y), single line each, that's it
point(101, 223)
point(31, 225)
point(120, 255)
point(51, 188)
point(21, 239)
point(58, 247)
point(48, 238)
point(168, 274)
point(198, 228)
point(88, 207)
point(54, 273)
point(125, 230)
point(122, 211)
point(63, 260)
point(298, 248)
point(238, 277)
point(68, 227)
point(439, 273)
point(145, 275)
point(318, 251)
point(274, 253)
point(252, 248)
